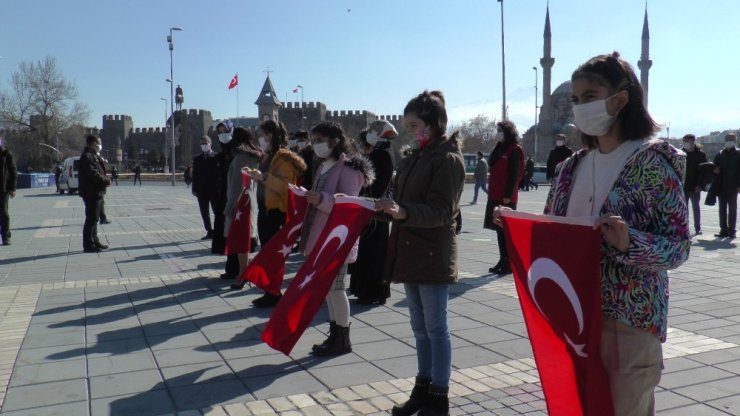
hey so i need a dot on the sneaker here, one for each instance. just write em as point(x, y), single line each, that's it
point(698, 232)
point(732, 235)
point(101, 246)
point(722, 234)
point(267, 300)
point(105, 221)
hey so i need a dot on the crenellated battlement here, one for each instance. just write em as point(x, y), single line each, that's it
point(117, 117)
point(196, 112)
point(394, 117)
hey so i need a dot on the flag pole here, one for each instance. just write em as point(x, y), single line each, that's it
point(237, 99)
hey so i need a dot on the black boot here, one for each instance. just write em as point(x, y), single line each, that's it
point(339, 346)
point(418, 397)
point(502, 262)
point(268, 300)
point(437, 403)
point(333, 332)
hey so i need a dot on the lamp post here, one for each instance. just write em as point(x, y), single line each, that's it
point(171, 80)
point(503, 65)
point(536, 76)
point(301, 87)
point(164, 150)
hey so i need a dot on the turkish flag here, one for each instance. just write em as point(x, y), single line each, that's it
point(313, 280)
point(267, 268)
point(234, 81)
point(240, 232)
point(556, 269)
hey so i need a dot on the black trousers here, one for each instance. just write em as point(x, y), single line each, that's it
point(4, 217)
point(137, 176)
point(103, 217)
point(92, 216)
point(727, 202)
point(269, 222)
point(203, 203)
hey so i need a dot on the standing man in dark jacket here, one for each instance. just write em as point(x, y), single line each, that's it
point(8, 175)
point(727, 166)
point(481, 177)
point(693, 180)
point(205, 180)
point(557, 155)
point(92, 189)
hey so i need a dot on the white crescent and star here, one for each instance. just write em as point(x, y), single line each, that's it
point(340, 232)
point(545, 268)
point(238, 215)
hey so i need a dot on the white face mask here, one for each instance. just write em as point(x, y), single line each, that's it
point(322, 150)
point(302, 145)
point(688, 145)
point(100, 148)
point(263, 143)
point(292, 144)
point(592, 118)
point(729, 145)
point(559, 142)
point(372, 138)
point(224, 137)
point(205, 148)
point(499, 137)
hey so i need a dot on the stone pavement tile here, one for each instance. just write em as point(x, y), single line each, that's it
point(125, 383)
point(186, 355)
point(715, 357)
point(475, 355)
point(513, 349)
point(162, 342)
point(45, 394)
point(693, 376)
point(46, 372)
point(348, 375)
point(379, 350)
point(381, 318)
point(184, 375)
point(460, 323)
point(67, 316)
point(711, 390)
point(176, 326)
point(149, 403)
point(262, 365)
point(698, 409)
point(66, 409)
point(284, 384)
point(731, 366)
point(679, 363)
point(27, 356)
point(120, 346)
point(313, 361)
point(103, 335)
point(379, 333)
point(485, 336)
point(246, 336)
point(730, 405)
point(200, 395)
point(121, 363)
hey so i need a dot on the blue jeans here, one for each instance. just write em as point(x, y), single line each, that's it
point(428, 312)
point(479, 183)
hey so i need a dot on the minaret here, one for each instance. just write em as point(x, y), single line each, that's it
point(645, 63)
point(268, 105)
point(547, 61)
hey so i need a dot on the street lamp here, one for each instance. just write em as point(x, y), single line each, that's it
point(301, 87)
point(536, 76)
point(164, 150)
point(171, 80)
point(503, 64)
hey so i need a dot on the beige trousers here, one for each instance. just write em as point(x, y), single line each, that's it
point(633, 359)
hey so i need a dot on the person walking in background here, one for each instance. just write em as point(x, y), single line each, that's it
point(557, 155)
point(527, 182)
point(114, 175)
point(367, 273)
point(246, 156)
point(187, 175)
point(506, 164)
point(8, 179)
point(481, 177)
point(337, 173)
point(633, 184)
point(278, 168)
point(205, 174)
point(693, 180)
point(137, 174)
point(92, 189)
point(57, 174)
point(422, 251)
point(727, 166)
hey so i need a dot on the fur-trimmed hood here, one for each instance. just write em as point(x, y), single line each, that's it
point(291, 157)
point(363, 165)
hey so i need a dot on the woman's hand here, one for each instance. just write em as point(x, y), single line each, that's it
point(313, 198)
point(391, 208)
point(497, 214)
point(255, 174)
point(507, 201)
point(615, 231)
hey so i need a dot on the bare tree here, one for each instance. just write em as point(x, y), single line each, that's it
point(478, 133)
point(41, 108)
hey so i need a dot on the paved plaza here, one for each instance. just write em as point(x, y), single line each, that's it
point(148, 328)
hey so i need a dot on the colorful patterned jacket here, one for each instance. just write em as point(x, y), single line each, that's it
point(648, 195)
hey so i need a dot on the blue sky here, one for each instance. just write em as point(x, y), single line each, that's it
point(373, 54)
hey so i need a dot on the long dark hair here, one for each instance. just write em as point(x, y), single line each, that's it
point(429, 106)
point(277, 132)
point(616, 74)
point(332, 130)
point(242, 138)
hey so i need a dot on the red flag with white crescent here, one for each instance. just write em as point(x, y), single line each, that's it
point(234, 81)
point(312, 282)
point(267, 268)
point(240, 232)
point(555, 261)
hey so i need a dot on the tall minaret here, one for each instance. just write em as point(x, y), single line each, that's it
point(645, 63)
point(547, 61)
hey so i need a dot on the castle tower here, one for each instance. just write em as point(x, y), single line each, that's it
point(645, 63)
point(267, 103)
point(545, 124)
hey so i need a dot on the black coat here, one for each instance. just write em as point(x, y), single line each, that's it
point(206, 174)
point(694, 176)
point(8, 172)
point(92, 175)
point(728, 161)
point(557, 155)
point(223, 161)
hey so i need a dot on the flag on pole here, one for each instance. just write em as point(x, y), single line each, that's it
point(234, 81)
point(240, 232)
point(313, 280)
point(267, 268)
point(555, 261)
